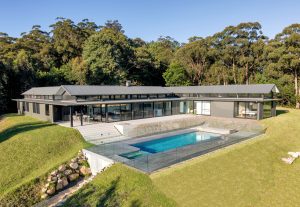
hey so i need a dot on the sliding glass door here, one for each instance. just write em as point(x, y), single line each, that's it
point(246, 110)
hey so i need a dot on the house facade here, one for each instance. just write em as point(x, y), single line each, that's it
point(86, 103)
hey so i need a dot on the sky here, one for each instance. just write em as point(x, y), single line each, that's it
point(150, 19)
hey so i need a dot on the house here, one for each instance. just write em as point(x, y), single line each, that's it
point(87, 103)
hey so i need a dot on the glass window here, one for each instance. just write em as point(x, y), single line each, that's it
point(158, 109)
point(36, 108)
point(161, 95)
point(245, 110)
point(152, 96)
point(148, 110)
point(134, 96)
point(167, 108)
point(126, 112)
point(267, 106)
point(47, 109)
point(175, 107)
point(113, 113)
point(137, 110)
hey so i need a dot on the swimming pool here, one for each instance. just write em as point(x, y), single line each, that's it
point(169, 143)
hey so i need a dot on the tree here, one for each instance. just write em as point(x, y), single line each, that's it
point(75, 71)
point(37, 45)
point(108, 57)
point(289, 59)
point(248, 36)
point(176, 75)
point(146, 71)
point(195, 58)
point(163, 51)
point(114, 25)
point(3, 88)
point(68, 38)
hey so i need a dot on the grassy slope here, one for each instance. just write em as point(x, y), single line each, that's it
point(120, 186)
point(30, 148)
point(247, 174)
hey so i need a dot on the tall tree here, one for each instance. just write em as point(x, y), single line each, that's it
point(289, 59)
point(68, 38)
point(108, 57)
point(195, 58)
point(248, 38)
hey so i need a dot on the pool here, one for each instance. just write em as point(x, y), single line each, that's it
point(169, 143)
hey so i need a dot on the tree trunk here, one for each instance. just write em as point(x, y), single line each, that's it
point(296, 88)
point(247, 74)
point(233, 71)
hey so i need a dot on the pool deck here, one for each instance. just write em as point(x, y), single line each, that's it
point(152, 162)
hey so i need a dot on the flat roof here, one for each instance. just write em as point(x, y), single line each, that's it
point(90, 90)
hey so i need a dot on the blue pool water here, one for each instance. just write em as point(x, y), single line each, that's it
point(169, 143)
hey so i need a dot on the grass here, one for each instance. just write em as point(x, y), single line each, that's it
point(28, 150)
point(120, 186)
point(247, 174)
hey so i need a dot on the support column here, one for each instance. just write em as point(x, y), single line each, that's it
point(71, 116)
point(273, 108)
point(259, 111)
point(106, 113)
point(81, 116)
point(131, 111)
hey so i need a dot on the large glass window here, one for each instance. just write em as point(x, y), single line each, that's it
point(137, 110)
point(167, 108)
point(126, 112)
point(175, 107)
point(148, 110)
point(114, 113)
point(158, 109)
point(267, 107)
point(245, 110)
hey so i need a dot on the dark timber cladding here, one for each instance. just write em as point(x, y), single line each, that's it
point(120, 103)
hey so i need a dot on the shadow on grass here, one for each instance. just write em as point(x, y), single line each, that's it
point(111, 197)
point(281, 111)
point(20, 128)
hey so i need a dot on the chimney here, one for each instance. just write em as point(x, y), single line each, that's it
point(128, 83)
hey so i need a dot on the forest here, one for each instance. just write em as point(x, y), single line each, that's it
point(87, 53)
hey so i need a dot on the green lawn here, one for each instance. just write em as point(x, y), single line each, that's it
point(120, 186)
point(28, 150)
point(247, 174)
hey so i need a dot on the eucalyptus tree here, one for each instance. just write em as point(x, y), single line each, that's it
point(6, 48)
point(68, 38)
point(226, 54)
point(289, 55)
point(163, 51)
point(195, 57)
point(249, 39)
